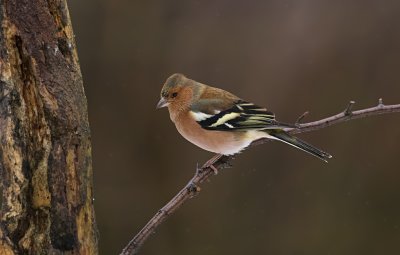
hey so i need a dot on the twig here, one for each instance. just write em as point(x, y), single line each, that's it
point(349, 107)
point(297, 123)
point(219, 162)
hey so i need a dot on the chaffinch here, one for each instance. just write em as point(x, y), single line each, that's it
point(220, 122)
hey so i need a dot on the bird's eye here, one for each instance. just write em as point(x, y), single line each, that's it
point(174, 94)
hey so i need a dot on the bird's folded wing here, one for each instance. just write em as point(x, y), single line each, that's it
point(238, 116)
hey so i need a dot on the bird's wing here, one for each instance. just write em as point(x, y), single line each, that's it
point(239, 115)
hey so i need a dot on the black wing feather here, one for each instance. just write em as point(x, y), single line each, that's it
point(242, 116)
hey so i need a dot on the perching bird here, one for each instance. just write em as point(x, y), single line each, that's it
point(220, 122)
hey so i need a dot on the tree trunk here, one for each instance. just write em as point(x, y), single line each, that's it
point(45, 152)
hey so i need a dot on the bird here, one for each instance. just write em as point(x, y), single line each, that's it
point(220, 122)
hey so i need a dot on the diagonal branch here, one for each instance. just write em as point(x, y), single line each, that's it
point(219, 162)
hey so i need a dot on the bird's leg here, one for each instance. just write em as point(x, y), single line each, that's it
point(210, 163)
point(198, 169)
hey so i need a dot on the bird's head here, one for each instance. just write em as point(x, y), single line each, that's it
point(177, 92)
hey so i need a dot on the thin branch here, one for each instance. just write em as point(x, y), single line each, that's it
point(297, 123)
point(349, 107)
point(219, 162)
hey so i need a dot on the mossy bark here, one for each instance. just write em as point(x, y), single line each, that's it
point(45, 148)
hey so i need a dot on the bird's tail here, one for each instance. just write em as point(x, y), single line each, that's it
point(300, 144)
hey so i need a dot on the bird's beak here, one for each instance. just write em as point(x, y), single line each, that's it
point(162, 103)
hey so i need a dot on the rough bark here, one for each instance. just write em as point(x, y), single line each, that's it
point(45, 148)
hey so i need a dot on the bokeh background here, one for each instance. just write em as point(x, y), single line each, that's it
point(290, 56)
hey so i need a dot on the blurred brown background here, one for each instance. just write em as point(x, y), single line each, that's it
point(290, 56)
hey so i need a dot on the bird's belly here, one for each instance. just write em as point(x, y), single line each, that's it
point(223, 142)
point(218, 142)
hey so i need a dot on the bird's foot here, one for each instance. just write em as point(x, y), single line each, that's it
point(215, 170)
point(210, 163)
